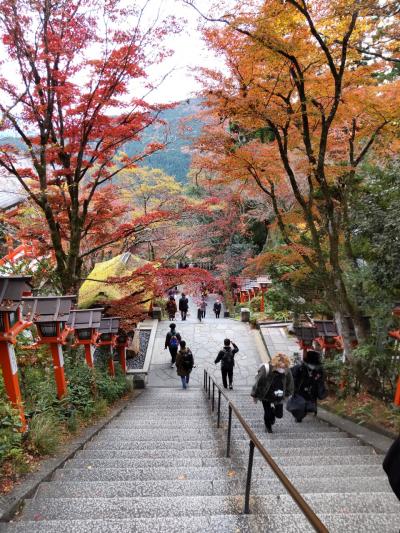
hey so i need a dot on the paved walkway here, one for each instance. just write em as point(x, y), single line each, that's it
point(205, 339)
point(277, 340)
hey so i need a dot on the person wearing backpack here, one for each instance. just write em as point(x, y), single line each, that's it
point(184, 364)
point(309, 386)
point(183, 306)
point(172, 341)
point(227, 358)
point(274, 381)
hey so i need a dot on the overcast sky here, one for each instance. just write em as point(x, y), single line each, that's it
point(189, 52)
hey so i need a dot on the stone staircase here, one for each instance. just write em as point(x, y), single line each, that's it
point(160, 466)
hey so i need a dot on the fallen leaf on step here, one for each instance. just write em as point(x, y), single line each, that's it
point(89, 467)
point(182, 476)
point(231, 473)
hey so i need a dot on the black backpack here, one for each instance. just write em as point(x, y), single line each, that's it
point(188, 361)
point(228, 359)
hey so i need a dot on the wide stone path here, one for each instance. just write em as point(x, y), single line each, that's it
point(205, 339)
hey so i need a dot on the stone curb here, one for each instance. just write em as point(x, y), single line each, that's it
point(10, 503)
point(380, 442)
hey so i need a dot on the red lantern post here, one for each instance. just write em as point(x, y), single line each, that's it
point(12, 323)
point(50, 315)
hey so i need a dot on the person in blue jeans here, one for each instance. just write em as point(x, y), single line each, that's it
point(184, 364)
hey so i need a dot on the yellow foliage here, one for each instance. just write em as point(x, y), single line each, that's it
point(95, 289)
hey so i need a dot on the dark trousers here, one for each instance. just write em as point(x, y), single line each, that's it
point(173, 350)
point(183, 315)
point(271, 412)
point(227, 372)
point(203, 313)
point(217, 313)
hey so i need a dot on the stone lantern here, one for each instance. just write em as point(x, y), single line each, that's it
point(86, 324)
point(108, 337)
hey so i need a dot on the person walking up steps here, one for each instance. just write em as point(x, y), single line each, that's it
point(184, 364)
point(172, 341)
point(227, 358)
point(171, 308)
point(217, 308)
point(274, 381)
point(183, 306)
point(309, 386)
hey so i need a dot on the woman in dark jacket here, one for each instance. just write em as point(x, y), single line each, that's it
point(391, 465)
point(184, 364)
point(309, 384)
point(274, 381)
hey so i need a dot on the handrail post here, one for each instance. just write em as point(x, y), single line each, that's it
point(209, 387)
point(248, 480)
point(204, 379)
point(219, 408)
point(213, 398)
point(228, 444)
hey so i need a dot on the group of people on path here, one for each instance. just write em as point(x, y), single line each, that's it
point(181, 355)
point(183, 306)
point(172, 308)
point(304, 383)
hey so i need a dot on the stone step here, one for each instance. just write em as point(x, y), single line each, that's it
point(195, 524)
point(107, 444)
point(108, 508)
point(309, 451)
point(291, 435)
point(314, 458)
point(141, 454)
point(105, 508)
point(281, 443)
point(129, 474)
point(280, 523)
point(154, 434)
point(324, 485)
point(129, 489)
point(176, 461)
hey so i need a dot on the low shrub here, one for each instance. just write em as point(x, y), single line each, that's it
point(45, 433)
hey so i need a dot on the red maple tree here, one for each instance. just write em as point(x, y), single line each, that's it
point(67, 96)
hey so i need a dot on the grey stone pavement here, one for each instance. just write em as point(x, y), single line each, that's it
point(277, 340)
point(205, 339)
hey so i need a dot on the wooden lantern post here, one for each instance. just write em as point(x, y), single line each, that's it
point(50, 315)
point(108, 337)
point(86, 324)
point(12, 290)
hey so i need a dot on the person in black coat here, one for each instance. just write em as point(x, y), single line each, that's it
point(172, 341)
point(217, 308)
point(391, 465)
point(183, 306)
point(227, 358)
point(308, 377)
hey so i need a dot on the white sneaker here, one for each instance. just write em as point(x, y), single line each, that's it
point(172, 365)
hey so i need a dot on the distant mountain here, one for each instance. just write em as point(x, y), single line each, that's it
point(183, 128)
point(175, 159)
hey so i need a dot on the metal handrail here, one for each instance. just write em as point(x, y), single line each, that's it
point(255, 443)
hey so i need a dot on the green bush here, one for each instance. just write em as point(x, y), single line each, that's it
point(45, 433)
point(10, 434)
point(111, 388)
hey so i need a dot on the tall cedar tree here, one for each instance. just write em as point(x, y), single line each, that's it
point(65, 92)
point(304, 110)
